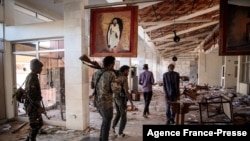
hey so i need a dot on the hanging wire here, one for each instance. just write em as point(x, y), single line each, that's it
point(174, 15)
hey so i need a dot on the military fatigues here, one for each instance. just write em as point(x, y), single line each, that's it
point(121, 104)
point(32, 105)
point(106, 86)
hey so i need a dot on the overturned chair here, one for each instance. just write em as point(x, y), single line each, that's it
point(216, 109)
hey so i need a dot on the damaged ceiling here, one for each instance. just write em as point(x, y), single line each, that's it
point(195, 22)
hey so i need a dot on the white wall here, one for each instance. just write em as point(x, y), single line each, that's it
point(231, 64)
point(209, 71)
point(193, 72)
point(185, 68)
point(242, 88)
point(146, 55)
point(35, 31)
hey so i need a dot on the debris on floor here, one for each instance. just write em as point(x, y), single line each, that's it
point(135, 120)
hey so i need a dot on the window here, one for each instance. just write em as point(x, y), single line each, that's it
point(245, 77)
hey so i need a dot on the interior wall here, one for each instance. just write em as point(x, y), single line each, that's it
point(159, 70)
point(231, 64)
point(9, 11)
point(28, 26)
point(35, 31)
point(184, 68)
point(242, 88)
point(193, 72)
point(1, 13)
point(21, 19)
point(146, 55)
point(209, 71)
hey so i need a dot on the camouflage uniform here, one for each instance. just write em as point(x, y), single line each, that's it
point(33, 104)
point(121, 104)
point(106, 86)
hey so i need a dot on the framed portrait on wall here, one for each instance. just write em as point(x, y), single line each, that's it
point(114, 31)
point(234, 27)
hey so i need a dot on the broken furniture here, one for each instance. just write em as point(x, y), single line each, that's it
point(215, 106)
point(191, 93)
point(241, 109)
point(180, 108)
point(200, 87)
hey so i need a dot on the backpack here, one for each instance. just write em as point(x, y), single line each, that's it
point(20, 94)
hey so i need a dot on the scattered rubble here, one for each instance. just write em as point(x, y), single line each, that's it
point(240, 115)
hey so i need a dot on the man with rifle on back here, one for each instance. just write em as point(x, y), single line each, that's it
point(105, 82)
point(32, 104)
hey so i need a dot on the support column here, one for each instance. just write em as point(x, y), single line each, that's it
point(9, 19)
point(8, 79)
point(76, 75)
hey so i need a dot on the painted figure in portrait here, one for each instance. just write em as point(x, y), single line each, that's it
point(114, 33)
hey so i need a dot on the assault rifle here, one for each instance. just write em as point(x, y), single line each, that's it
point(44, 111)
point(93, 64)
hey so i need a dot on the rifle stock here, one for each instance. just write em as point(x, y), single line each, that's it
point(93, 64)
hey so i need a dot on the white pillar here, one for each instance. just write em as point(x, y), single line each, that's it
point(9, 19)
point(76, 75)
point(8, 79)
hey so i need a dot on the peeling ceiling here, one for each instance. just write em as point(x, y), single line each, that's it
point(195, 22)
